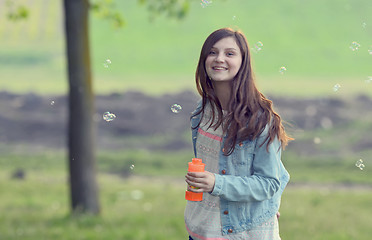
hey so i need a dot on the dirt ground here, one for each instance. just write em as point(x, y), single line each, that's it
point(35, 120)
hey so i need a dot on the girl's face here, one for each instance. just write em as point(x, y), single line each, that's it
point(224, 60)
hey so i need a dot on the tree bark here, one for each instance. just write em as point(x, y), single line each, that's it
point(81, 135)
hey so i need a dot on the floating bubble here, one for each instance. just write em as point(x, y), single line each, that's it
point(107, 63)
point(354, 46)
point(326, 123)
point(336, 87)
point(369, 79)
point(136, 194)
point(52, 103)
point(233, 18)
point(370, 50)
point(364, 25)
point(176, 108)
point(132, 167)
point(108, 117)
point(282, 70)
point(205, 3)
point(257, 47)
point(317, 140)
point(360, 164)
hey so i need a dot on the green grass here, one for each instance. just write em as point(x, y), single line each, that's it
point(152, 208)
point(325, 214)
point(303, 169)
point(328, 196)
point(125, 214)
point(160, 56)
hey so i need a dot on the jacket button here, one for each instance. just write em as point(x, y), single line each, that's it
point(241, 144)
point(223, 149)
point(223, 171)
point(225, 212)
point(230, 230)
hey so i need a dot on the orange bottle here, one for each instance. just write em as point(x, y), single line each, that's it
point(195, 166)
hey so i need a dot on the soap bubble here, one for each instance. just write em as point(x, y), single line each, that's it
point(176, 108)
point(52, 103)
point(132, 167)
point(354, 46)
point(360, 164)
point(370, 50)
point(257, 47)
point(282, 70)
point(205, 3)
point(326, 123)
point(336, 87)
point(369, 79)
point(108, 117)
point(136, 194)
point(317, 140)
point(364, 25)
point(233, 18)
point(107, 63)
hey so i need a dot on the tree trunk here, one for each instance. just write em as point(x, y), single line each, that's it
point(81, 135)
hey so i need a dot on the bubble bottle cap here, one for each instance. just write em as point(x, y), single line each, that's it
point(196, 165)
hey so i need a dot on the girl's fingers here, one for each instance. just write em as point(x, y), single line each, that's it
point(193, 189)
point(194, 184)
point(196, 174)
point(195, 179)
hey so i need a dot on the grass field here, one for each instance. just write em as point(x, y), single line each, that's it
point(328, 196)
point(150, 203)
point(311, 39)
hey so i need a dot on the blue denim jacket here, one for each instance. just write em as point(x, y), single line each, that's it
point(250, 182)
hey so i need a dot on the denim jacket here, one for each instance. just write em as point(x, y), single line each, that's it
point(250, 182)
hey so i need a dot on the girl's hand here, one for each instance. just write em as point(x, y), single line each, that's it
point(200, 181)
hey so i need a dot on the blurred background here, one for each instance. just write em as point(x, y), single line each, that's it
point(312, 58)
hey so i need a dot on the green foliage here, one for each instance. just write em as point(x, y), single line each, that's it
point(106, 9)
point(171, 8)
point(16, 13)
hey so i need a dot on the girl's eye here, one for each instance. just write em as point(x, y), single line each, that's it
point(212, 52)
point(230, 54)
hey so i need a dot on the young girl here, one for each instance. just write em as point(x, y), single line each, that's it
point(239, 137)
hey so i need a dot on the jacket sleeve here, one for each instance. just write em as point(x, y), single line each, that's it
point(262, 184)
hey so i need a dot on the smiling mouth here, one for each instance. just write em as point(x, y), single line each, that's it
point(219, 68)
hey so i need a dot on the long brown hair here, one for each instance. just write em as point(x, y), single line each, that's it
point(249, 111)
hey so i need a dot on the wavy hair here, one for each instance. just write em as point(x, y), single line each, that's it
point(249, 111)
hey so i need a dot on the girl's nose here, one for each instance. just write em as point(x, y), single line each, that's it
point(219, 58)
